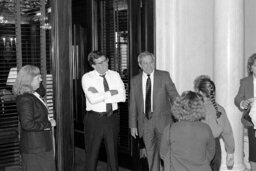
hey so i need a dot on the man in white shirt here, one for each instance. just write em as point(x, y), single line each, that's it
point(103, 89)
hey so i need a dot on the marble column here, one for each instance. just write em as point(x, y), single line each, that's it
point(166, 35)
point(184, 39)
point(229, 67)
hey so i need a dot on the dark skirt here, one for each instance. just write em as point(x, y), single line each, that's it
point(216, 161)
point(252, 144)
point(43, 161)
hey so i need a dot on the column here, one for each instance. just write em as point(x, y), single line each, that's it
point(166, 35)
point(63, 84)
point(229, 67)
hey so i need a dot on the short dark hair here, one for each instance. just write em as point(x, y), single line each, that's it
point(94, 55)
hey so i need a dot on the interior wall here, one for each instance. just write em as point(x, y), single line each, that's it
point(189, 28)
point(250, 29)
point(196, 41)
point(191, 40)
point(185, 41)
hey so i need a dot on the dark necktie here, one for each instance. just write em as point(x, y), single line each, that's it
point(106, 88)
point(148, 98)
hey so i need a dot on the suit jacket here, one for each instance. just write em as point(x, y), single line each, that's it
point(35, 126)
point(164, 93)
point(246, 91)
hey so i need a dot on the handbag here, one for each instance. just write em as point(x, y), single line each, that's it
point(143, 161)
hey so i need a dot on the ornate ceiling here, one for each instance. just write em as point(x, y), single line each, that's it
point(25, 5)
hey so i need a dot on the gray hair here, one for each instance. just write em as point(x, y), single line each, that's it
point(144, 54)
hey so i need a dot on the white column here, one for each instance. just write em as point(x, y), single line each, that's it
point(229, 67)
point(166, 35)
point(184, 39)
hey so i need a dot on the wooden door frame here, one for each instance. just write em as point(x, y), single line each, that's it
point(61, 51)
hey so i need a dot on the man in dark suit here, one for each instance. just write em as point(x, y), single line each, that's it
point(151, 94)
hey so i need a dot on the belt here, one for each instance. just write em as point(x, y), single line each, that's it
point(115, 112)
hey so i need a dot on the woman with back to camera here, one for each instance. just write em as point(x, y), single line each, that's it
point(243, 100)
point(188, 144)
point(217, 119)
point(36, 142)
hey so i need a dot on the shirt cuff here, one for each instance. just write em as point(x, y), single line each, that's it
point(241, 105)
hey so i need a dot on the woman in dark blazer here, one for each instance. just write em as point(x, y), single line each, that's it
point(36, 141)
point(243, 100)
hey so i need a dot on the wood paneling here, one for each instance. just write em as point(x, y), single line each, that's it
point(61, 52)
point(134, 13)
point(148, 25)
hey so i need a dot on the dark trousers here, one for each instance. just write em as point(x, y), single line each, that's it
point(216, 161)
point(143, 162)
point(152, 138)
point(252, 144)
point(98, 128)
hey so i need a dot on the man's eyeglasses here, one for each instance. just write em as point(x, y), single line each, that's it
point(102, 62)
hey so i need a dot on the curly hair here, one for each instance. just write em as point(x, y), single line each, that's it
point(189, 107)
point(205, 85)
point(250, 63)
point(24, 78)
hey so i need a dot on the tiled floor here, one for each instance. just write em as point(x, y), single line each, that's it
point(79, 163)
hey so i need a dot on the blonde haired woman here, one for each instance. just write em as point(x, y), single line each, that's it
point(36, 142)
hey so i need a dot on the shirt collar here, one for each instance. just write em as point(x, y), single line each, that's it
point(98, 74)
point(40, 98)
point(146, 75)
point(36, 94)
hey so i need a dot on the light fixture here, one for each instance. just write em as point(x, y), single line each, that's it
point(3, 20)
point(4, 40)
point(8, 41)
point(44, 23)
point(46, 26)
